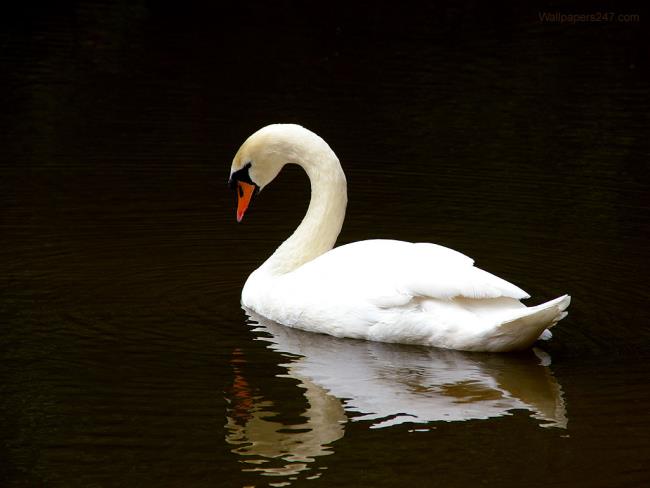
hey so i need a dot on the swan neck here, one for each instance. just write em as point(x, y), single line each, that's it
point(319, 229)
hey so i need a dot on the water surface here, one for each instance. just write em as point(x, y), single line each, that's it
point(126, 358)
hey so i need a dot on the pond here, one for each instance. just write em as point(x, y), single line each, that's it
point(127, 359)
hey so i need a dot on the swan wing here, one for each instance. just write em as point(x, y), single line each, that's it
point(391, 273)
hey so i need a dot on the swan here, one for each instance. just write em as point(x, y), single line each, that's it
point(378, 290)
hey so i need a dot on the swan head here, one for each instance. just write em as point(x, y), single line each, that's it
point(262, 156)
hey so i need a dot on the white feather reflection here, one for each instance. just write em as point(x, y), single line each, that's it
point(259, 438)
point(385, 384)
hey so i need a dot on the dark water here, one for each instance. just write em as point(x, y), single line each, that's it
point(126, 359)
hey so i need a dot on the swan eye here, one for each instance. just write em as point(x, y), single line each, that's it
point(240, 175)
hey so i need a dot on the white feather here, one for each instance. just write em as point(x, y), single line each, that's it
point(383, 290)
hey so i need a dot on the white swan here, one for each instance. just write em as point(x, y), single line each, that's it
point(381, 290)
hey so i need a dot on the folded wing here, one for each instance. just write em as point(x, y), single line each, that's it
point(391, 273)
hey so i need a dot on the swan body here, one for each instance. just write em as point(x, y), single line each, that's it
point(380, 290)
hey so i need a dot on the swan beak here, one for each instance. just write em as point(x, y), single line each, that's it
point(244, 194)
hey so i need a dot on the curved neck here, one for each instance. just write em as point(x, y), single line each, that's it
point(322, 224)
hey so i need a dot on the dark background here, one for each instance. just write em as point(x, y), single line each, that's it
point(475, 125)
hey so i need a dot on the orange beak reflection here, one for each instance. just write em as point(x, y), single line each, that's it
point(244, 194)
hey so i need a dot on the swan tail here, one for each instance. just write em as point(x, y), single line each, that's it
point(522, 331)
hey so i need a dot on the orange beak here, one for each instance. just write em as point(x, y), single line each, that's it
point(244, 194)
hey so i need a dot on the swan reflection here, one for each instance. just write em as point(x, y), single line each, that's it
point(259, 438)
point(383, 384)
